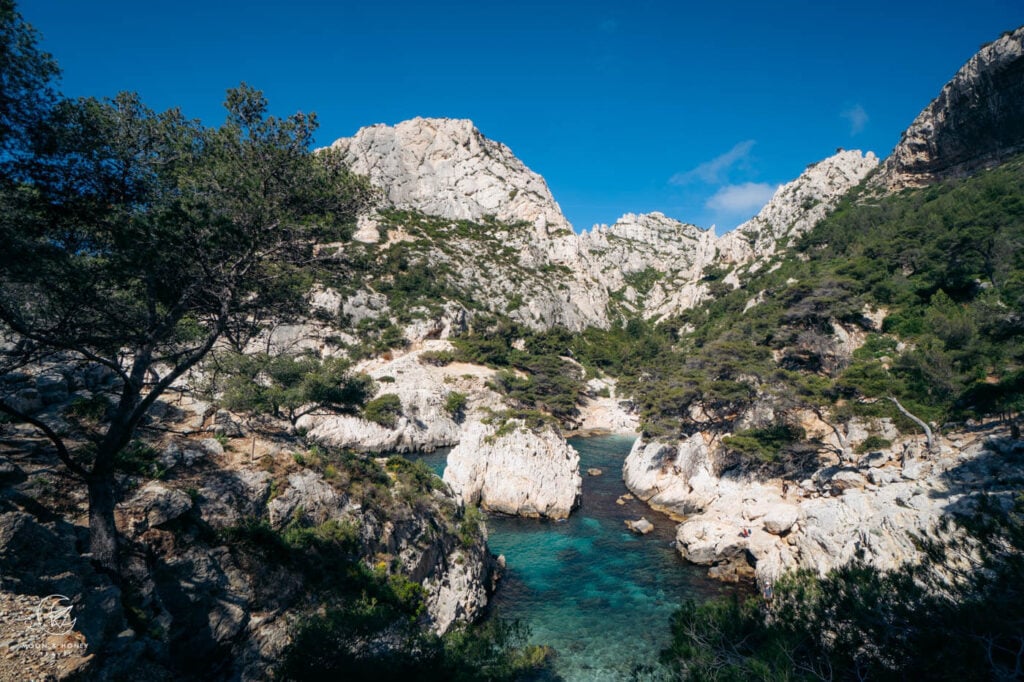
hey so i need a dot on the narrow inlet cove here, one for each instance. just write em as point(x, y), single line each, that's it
point(597, 593)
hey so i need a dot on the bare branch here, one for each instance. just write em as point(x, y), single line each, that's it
point(58, 442)
point(920, 422)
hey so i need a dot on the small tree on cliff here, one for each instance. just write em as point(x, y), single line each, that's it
point(136, 241)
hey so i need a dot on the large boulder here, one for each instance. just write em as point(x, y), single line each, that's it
point(677, 476)
point(516, 470)
point(153, 506)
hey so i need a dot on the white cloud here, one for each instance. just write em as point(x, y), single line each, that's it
point(857, 117)
point(744, 199)
point(716, 169)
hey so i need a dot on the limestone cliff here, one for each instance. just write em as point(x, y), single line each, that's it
point(519, 255)
point(516, 470)
point(446, 167)
point(798, 206)
point(650, 264)
point(977, 120)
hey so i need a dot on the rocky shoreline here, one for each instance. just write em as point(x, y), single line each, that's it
point(872, 506)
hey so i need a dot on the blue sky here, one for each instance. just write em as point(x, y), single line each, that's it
point(696, 110)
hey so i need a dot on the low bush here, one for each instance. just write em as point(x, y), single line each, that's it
point(385, 410)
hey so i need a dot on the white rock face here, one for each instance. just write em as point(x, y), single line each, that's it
point(673, 476)
point(977, 120)
point(522, 472)
point(446, 167)
point(459, 594)
point(425, 425)
point(798, 206)
point(618, 256)
point(674, 255)
point(821, 524)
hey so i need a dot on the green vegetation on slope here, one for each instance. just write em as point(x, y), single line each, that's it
point(945, 264)
point(287, 386)
point(424, 262)
point(942, 265)
point(934, 621)
point(361, 622)
point(536, 377)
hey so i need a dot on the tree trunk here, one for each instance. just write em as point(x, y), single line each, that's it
point(102, 530)
point(920, 422)
point(844, 446)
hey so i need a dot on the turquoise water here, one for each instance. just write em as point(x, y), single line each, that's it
point(600, 595)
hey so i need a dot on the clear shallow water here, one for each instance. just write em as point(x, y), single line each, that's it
point(600, 595)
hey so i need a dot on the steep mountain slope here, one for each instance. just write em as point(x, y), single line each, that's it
point(447, 168)
point(868, 384)
point(489, 230)
point(976, 121)
point(798, 206)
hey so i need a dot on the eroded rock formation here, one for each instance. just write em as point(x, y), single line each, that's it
point(516, 470)
point(977, 120)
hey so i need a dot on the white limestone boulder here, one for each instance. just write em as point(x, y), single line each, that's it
point(516, 470)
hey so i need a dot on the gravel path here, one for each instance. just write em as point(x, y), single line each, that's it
point(28, 652)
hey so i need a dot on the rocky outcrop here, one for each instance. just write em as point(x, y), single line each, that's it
point(873, 506)
point(976, 121)
point(215, 587)
point(446, 167)
point(798, 206)
point(455, 576)
point(516, 470)
point(458, 586)
point(649, 263)
point(424, 424)
point(678, 477)
point(39, 558)
point(655, 265)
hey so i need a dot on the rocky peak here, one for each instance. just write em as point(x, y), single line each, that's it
point(655, 230)
point(645, 243)
point(977, 120)
point(798, 206)
point(446, 167)
point(646, 264)
point(640, 241)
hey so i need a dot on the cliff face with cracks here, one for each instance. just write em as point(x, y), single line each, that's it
point(516, 470)
point(976, 121)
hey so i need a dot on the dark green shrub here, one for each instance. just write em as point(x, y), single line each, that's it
point(455, 405)
point(385, 410)
point(764, 444)
point(139, 459)
point(438, 358)
point(872, 443)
